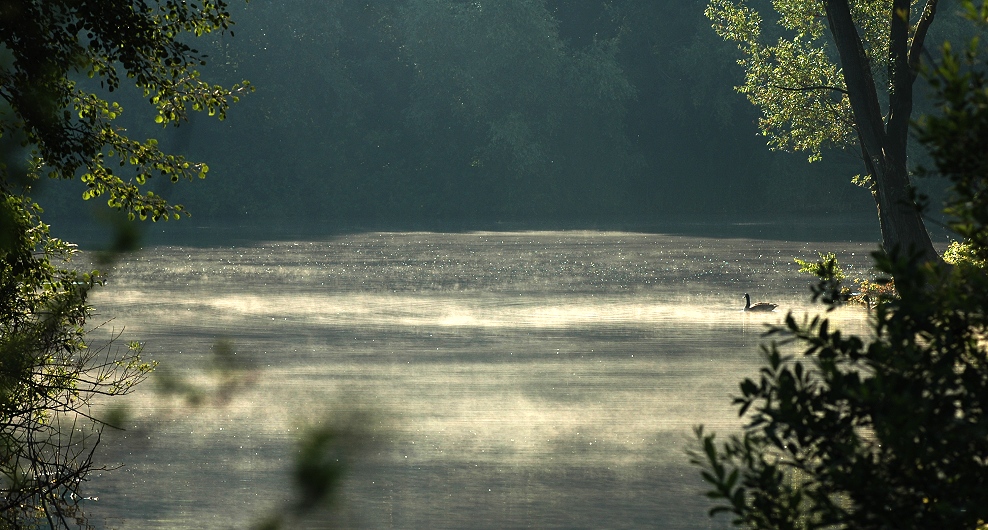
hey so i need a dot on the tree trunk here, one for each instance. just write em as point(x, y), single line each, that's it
point(901, 221)
point(884, 149)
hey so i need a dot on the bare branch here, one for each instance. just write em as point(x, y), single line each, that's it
point(809, 88)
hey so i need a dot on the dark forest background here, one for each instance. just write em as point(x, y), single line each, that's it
point(521, 113)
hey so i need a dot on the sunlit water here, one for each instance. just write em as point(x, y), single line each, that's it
point(509, 380)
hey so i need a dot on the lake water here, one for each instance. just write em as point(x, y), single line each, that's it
point(504, 380)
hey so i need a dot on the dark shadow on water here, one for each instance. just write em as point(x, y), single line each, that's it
point(506, 496)
point(91, 234)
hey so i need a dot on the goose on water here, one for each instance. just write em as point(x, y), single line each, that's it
point(760, 306)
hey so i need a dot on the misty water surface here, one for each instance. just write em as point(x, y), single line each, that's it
point(509, 380)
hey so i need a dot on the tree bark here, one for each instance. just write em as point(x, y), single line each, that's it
point(884, 146)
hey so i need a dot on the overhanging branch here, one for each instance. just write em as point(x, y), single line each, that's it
point(808, 88)
point(919, 37)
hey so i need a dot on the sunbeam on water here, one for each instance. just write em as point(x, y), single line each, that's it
point(538, 379)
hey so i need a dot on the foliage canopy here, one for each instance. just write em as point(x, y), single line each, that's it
point(792, 73)
point(51, 46)
point(55, 57)
point(844, 83)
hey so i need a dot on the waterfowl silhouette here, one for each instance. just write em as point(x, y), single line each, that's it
point(760, 306)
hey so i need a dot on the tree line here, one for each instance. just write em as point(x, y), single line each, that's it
point(535, 111)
